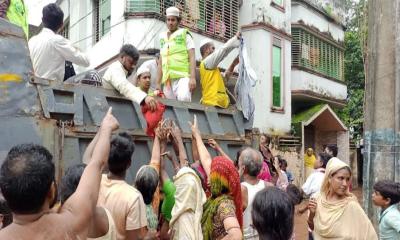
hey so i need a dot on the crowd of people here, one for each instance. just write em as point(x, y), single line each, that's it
point(209, 198)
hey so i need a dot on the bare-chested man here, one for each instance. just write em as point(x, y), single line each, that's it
point(27, 180)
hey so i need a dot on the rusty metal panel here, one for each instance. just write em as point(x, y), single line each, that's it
point(17, 97)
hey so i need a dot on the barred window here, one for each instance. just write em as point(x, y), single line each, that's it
point(101, 18)
point(317, 54)
point(65, 29)
point(216, 18)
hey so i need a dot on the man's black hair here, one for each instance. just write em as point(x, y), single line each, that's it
point(70, 181)
point(324, 157)
point(5, 211)
point(53, 17)
point(273, 214)
point(388, 189)
point(122, 148)
point(26, 177)
point(333, 148)
point(129, 50)
point(295, 194)
point(204, 48)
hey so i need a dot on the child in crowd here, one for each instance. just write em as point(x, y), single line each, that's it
point(387, 196)
point(289, 174)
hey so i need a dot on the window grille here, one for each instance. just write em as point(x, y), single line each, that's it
point(101, 18)
point(65, 30)
point(314, 53)
point(217, 18)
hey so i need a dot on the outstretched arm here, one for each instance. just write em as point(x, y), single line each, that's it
point(155, 154)
point(159, 74)
point(87, 155)
point(218, 148)
point(177, 138)
point(192, 62)
point(205, 157)
point(78, 209)
point(213, 60)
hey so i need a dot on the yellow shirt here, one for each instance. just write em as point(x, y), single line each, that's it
point(213, 87)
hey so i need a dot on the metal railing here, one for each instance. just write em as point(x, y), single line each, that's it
point(313, 53)
point(218, 18)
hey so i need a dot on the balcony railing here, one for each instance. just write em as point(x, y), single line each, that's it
point(218, 18)
point(316, 54)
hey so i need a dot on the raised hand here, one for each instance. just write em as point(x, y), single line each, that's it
point(109, 121)
point(194, 126)
point(213, 144)
point(312, 205)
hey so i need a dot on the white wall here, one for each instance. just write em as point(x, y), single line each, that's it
point(302, 80)
point(311, 17)
point(253, 11)
point(259, 46)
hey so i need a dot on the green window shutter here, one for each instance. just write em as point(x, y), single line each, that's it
point(105, 17)
point(276, 76)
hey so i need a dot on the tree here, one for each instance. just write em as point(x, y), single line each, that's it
point(355, 45)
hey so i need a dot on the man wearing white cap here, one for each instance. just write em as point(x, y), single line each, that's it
point(178, 63)
point(143, 81)
point(212, 83)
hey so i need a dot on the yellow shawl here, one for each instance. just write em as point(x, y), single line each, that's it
point(344, 219)
point(309, 160)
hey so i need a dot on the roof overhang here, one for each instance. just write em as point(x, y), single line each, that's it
point(322, 117)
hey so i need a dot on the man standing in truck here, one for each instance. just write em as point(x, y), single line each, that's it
point(49, 50)
point(177, 71)
point(212, 83)
point(16, 12)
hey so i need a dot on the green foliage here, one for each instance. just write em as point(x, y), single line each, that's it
point(355, 38)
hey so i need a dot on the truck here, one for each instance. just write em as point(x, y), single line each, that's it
point(65, 117)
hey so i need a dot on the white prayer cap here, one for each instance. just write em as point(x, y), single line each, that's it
point(141, 70)
point(205, 41)
point(172, 11)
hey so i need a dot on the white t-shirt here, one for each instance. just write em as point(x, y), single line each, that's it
point(49, 51)
point(314, 182)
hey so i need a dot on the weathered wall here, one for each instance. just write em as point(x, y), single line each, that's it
point(382, 101)
point(301, 12)
point(263, 11)
point(304, 81)
point(294, 160)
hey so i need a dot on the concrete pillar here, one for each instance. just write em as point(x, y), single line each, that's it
point(382, 98)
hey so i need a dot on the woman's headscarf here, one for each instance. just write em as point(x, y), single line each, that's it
point(225, 184)
point(336, 219)
point(334, 165)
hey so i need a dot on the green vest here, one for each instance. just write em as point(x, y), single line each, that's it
point(175, 56)
point(18, 14)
